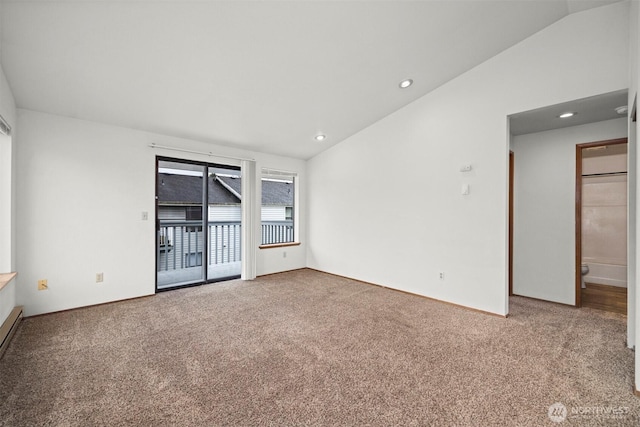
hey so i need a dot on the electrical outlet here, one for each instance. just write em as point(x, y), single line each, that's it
point(442, 275)
point(99, 277)
point(42, 285)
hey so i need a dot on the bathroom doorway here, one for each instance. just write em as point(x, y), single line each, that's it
point(601, 225)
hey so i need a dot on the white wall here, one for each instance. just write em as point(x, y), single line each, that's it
point(633, 329)
point(604, 217)
point(544, 208)
point(611, 160)
point(7, 197)
point(426, 142)
point(7, 194)
point(82, 187)
point(7, 145)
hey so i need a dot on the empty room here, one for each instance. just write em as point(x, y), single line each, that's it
point(319, 212)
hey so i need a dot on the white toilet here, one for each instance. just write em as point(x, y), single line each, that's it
point(584, 270)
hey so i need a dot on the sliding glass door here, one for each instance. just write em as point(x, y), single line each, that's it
point(198, 223)
point(225, 223)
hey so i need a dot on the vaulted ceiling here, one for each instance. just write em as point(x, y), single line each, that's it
point(261, 75)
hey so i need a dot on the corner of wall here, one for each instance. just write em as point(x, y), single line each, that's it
point(7, 196)
point(633, 328)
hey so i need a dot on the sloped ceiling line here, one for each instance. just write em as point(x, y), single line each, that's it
point(265, 76)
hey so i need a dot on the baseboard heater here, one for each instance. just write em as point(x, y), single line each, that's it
point(9, 328)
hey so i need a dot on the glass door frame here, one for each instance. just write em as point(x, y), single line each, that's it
point(206, 255)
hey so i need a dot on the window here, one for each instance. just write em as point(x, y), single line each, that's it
point(194, 213)
point(193, 259)
point(278, 210)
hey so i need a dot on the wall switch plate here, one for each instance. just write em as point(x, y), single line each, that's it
point(284, 254)
point(42, 285)
point(145, 215)
point(99, 277)
point(465, 189)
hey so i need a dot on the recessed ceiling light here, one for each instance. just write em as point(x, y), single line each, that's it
point(567, 115)
point(622, 109)
point(405, 83)
point(320, 137)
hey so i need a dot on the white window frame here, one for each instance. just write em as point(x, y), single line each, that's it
point(276, 174)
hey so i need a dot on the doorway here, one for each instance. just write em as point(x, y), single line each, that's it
point(198, 223)
point(511, 183)
point(601, 225)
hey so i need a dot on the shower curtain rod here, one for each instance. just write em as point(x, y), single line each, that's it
point(606, 174)
point(205, 153)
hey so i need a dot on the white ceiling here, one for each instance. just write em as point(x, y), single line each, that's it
point(588, 110)
point(261, 75)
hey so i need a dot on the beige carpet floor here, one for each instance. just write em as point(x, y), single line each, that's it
point(307, 348)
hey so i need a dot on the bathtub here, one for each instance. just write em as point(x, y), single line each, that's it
point(606, 274)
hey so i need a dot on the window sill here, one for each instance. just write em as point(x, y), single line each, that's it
point(5, 278)
point(279, 245)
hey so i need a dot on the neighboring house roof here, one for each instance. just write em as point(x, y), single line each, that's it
point(274, 193)
point(234, 184)
point(187, 190)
